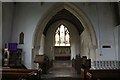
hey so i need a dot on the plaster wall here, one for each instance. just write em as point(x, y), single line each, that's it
point(0, 38)
point(7, 20)
point(119, 34)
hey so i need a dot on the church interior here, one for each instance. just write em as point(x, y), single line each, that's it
point(60, 41)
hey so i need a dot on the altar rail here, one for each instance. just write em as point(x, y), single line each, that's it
point(106, 65)
point(105, 70)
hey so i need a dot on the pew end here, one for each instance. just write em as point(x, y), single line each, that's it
point(85, 75)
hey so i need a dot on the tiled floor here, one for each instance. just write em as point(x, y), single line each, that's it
point(61, 69)
point(60, 64)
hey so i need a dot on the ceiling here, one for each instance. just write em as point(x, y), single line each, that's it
point(65, 15)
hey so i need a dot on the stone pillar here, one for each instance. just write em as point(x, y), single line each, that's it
point(42, 43)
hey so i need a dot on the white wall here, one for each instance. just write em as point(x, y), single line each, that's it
point(7, 20)
point(0, 37)
point(119, 43)
point(103, 19)
point(119, 34)
point(27, 16)
point(101, 15)
point(116, 29)
point(74, 39)
point(106, 32)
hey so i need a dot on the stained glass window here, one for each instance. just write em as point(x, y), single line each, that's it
point(62, 36)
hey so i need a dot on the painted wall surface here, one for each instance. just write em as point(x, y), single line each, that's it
point(0, 37)
point(116, 33)
point(119, 34)
point(7, 20)
point(103, 19)
point(26, 18)
point(0, 26)
point(101, 15)
point(119, 43)
point(74, 39)
point(106, 32)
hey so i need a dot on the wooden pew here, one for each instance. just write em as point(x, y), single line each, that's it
point(77, 63)
point(105, 74)
point(44, 63)
point(17, 74)
point(82, 66)
point(85, 75)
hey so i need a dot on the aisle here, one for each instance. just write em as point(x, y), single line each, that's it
point(61, 70)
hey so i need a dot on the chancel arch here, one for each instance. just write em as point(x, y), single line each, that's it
point(88, 41)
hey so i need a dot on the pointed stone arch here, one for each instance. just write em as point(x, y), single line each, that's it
point(80, 15)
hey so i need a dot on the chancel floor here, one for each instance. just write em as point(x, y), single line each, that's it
point(61, 70)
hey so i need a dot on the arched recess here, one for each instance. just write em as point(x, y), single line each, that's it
point(74, 39)
point(80, 15)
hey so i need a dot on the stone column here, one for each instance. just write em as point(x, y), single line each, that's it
point(42, 43)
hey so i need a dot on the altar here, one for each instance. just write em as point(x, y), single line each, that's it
point(62, 52)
